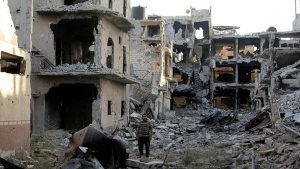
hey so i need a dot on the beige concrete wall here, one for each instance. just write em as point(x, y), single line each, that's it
point(15, 92)
point(43, 40)
point(22, 13)
point(118, 6)
point(115, 92)
point(43, 37)
point(109, 30)
point(7, 28)
point(41, 86)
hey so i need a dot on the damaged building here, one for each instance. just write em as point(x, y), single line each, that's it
point(235, 70)
point(280, 69)
point(186, 39)
point(190, 38)
point(151, 63)
point(15, 69)
point(80, 64)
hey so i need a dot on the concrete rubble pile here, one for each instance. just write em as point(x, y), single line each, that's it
point(247, 136)
point(289, 104)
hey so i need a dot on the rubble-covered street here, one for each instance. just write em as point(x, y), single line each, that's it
point(88, 84)
point(196, 138)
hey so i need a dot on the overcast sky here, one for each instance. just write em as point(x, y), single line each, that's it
point(250, 15)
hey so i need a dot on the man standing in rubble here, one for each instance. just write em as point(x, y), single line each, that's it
point(144, 135)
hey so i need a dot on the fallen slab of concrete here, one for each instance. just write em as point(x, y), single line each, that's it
point(144, 165)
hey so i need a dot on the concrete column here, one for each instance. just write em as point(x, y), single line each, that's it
point(98, 43)
point(38, 115)
point(262, 45)
point(236, 47)
point(212, 86)
point(236, 75)
point(27, 15)
point(236, 98)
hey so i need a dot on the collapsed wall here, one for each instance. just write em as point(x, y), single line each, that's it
point(151, 63)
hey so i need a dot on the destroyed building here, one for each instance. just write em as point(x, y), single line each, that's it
point(234, 70)
point(80, 64)
point(279, 71)
point(151, 63)
point(15, 69)
point(190, 38)
point(186, 40)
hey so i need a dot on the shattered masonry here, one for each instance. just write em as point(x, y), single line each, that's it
point(65, 64)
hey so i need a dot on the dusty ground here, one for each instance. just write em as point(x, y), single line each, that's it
point(182, 141)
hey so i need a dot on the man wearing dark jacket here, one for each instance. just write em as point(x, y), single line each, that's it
point(144, 135)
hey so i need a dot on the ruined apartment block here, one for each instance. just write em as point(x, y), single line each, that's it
point(280, 68)
point(15, 69)
point(80, 64)
point(190, 38)
point(152, 63)
point(235, 70)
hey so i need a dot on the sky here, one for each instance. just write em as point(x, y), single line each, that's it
point(250, 15)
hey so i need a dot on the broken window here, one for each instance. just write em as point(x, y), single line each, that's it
point(152, 44)
point(244, 100)
point(153, 30)
point(224, 48)
point(74, 41)
point(124, 7)
point(109, 107)
point(120, 40)
point(12, 64)
point(72, 2)
point(247, 72)
point(203, 29)
point(205, 53)
point(182, 50)
point(248, 46)
point(225, 74)
point(123, 108)
point(110, 53)
point(124, 60)
point(224, 51)
point(224, 98)
point(110, 4)
point(69, 106)
point(181, 77)
point(185, 30)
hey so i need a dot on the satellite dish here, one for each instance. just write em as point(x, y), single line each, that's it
point(187, 11)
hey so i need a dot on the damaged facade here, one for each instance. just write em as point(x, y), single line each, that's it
point(186, 40)
point(151, 63)
point(280, 71)
point(235, 70)
point(14, 78)
point(80, 64)
point(190, 38)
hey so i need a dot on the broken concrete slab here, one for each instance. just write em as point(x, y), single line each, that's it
point(143, 165)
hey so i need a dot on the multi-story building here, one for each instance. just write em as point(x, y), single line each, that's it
point(80, 64)
point(152, 63)
point(15, 69)
point(190, 37)
point(235, 70)
point(279, 70)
